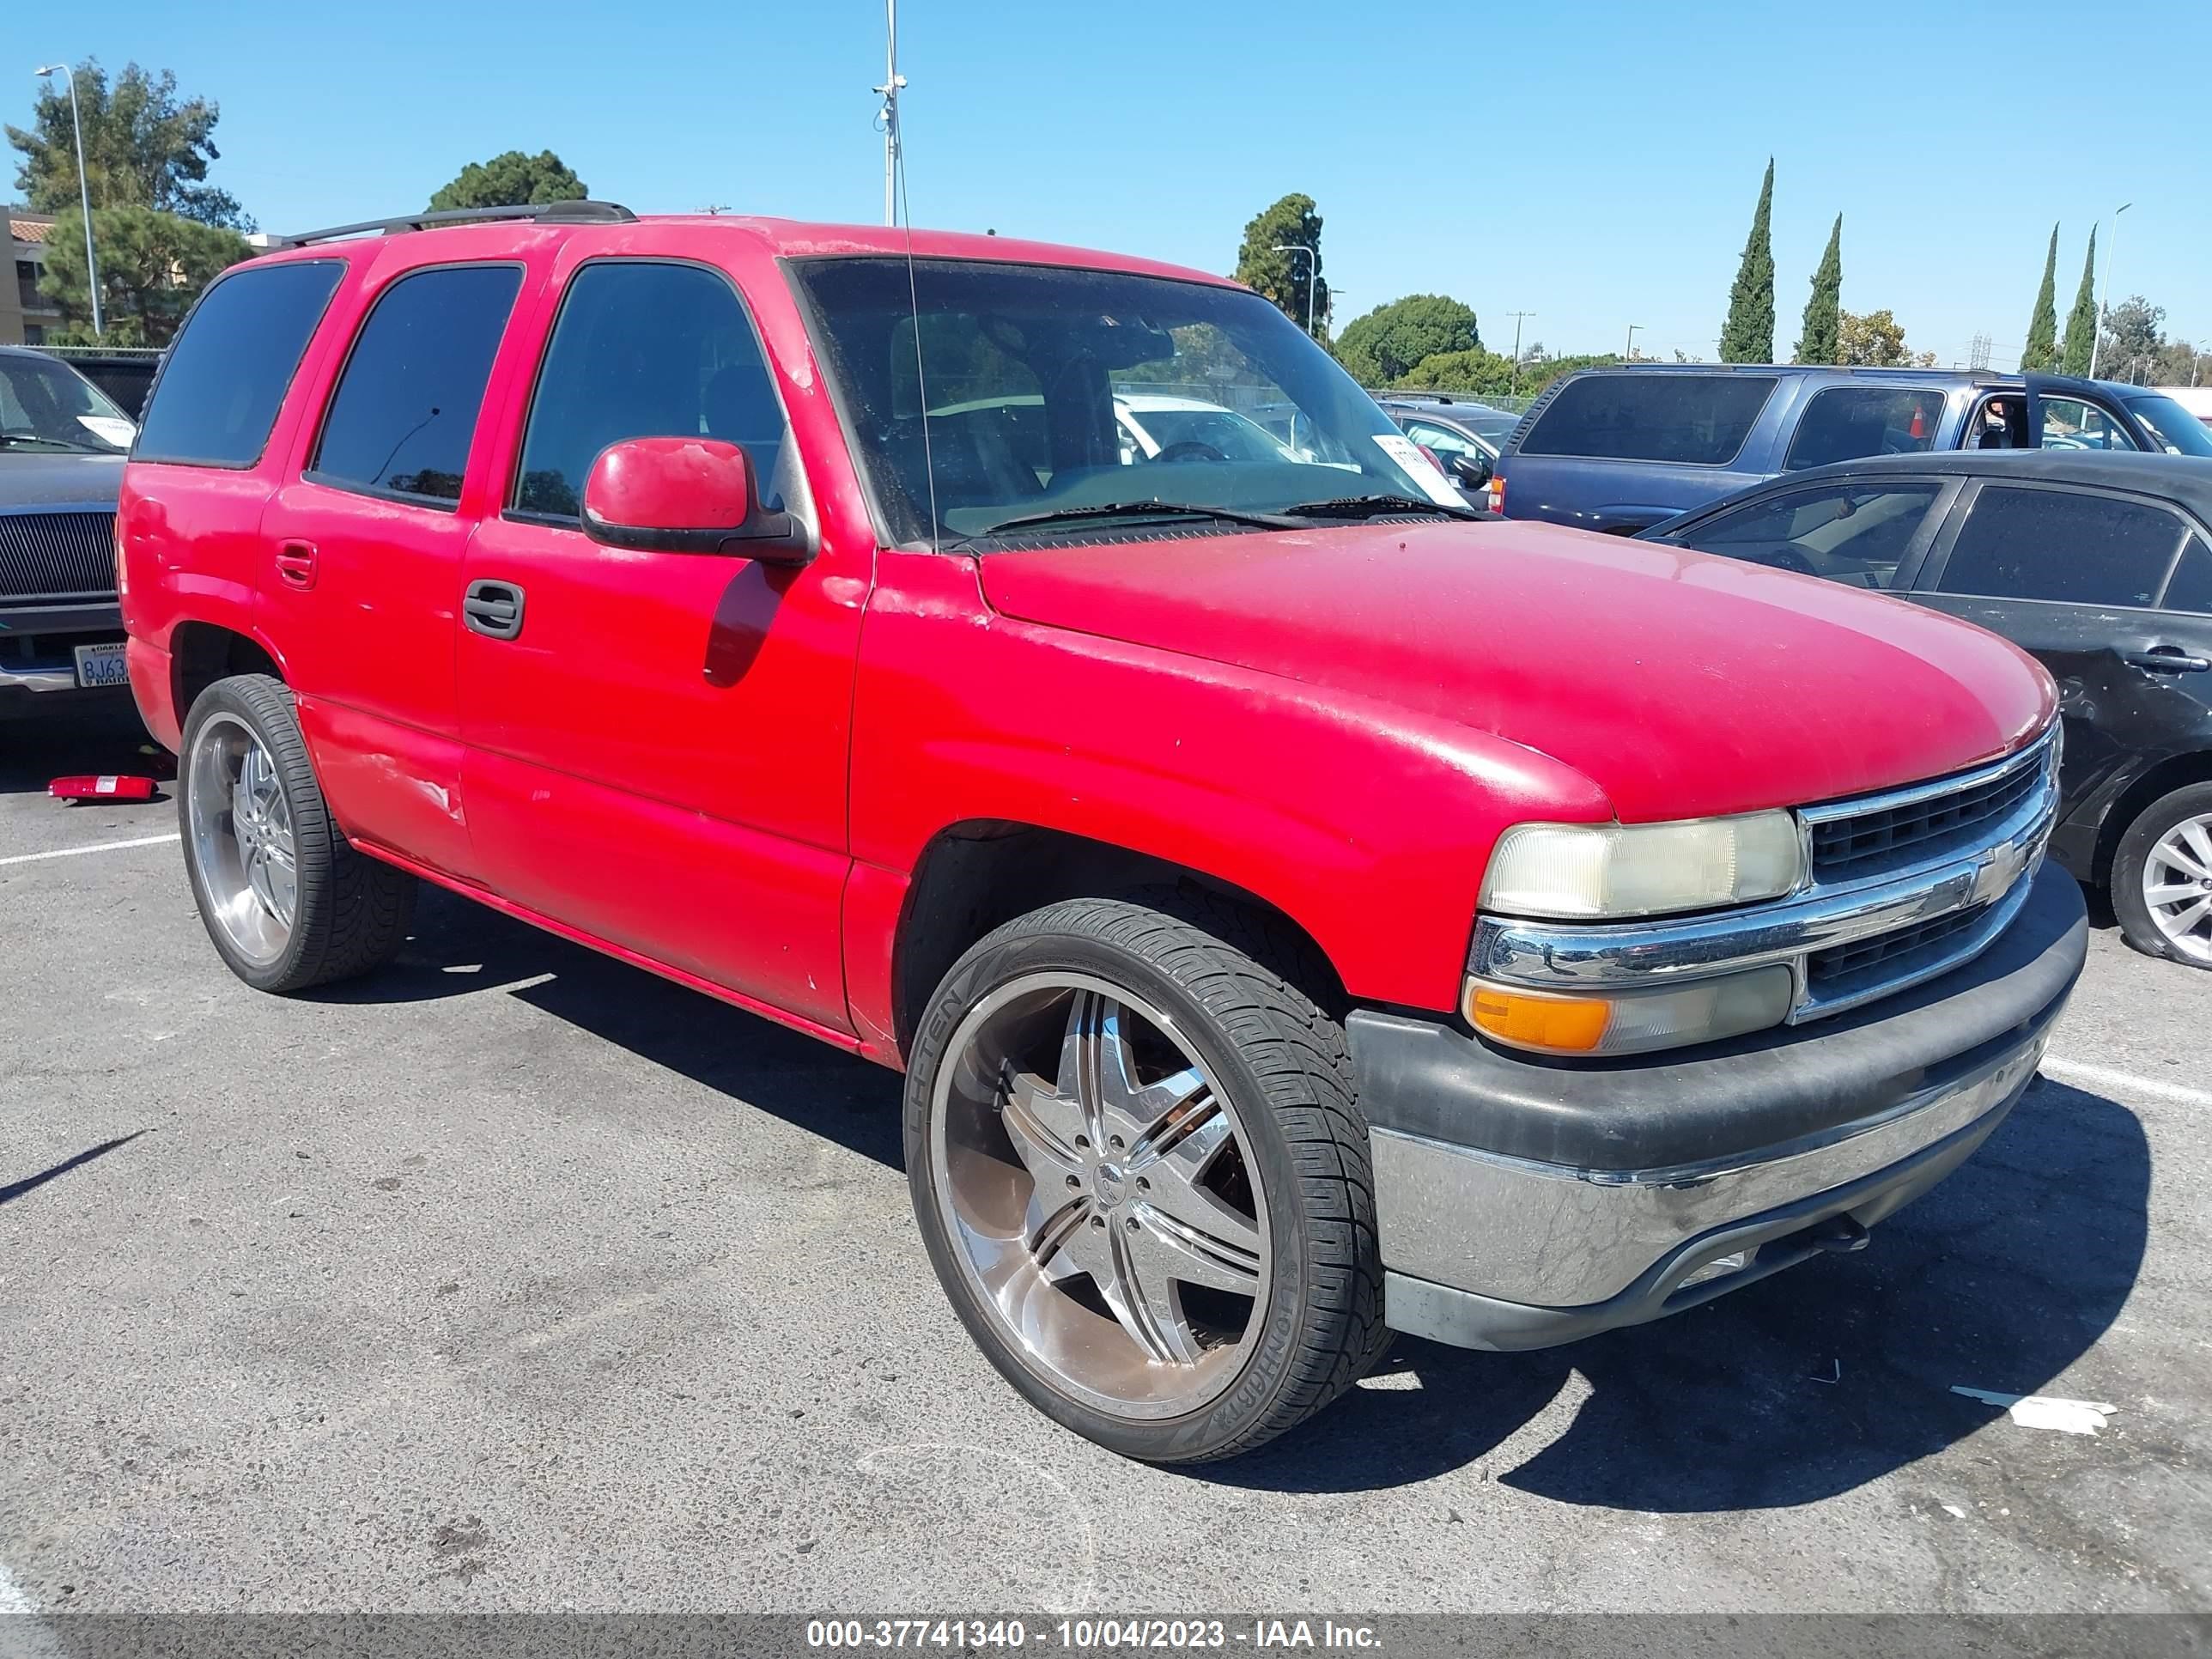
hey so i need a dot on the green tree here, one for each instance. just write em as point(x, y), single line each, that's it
point(142, 147)
point(2134, 341)
point(2081, 321)
point(2041, 351)
point(1876, 340)
point(512, 179)
point(1292, 282)
point(1816, 339)
point(1386, 343)
point(152, 267)
point(1476, 370)
point(1747, 337)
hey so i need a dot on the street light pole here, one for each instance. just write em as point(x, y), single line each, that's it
point(894, 83)
point(1629, 355)
point(1312, 274)
point(83, 192)
point(2097, 335)
point(1513, 376)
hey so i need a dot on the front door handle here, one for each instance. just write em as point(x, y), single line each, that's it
point(2166, 659)
point(493, 608)
point(295, 564)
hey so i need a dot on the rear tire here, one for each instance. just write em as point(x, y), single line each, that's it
point(2162, 877)
point(1178, 1293)
point(285, 898)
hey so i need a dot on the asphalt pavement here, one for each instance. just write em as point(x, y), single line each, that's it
point(513, 1278)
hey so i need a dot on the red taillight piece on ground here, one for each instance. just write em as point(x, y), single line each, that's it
point(107, 786)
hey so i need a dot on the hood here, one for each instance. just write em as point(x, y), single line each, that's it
point(42, 478)
point(1682, 683)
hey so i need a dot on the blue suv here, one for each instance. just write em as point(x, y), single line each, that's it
point(1619, 449)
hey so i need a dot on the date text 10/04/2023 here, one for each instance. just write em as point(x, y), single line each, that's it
point(1089, 1634)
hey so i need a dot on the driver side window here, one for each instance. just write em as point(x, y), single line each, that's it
point(1853, 534)
point(2070, 423)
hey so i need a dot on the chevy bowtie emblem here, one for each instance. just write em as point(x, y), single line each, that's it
point(2000, 868)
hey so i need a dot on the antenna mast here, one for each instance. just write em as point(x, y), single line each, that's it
point(894, 83)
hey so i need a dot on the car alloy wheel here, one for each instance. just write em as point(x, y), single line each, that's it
point(1103, 1204)
point(2177, 887)
point(241, 830)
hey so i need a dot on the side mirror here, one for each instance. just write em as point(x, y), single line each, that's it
point(1473, 471)
point(686, 495)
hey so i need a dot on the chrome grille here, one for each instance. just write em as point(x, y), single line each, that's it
point(1830, 970)
point(56, 555)
point(1850, 845)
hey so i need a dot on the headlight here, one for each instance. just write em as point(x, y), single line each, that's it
point(1582, 871)
point(1630, 1022)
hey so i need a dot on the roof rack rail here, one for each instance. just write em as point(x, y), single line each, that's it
point(549, 213)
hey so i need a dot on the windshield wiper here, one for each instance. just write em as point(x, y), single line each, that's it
point(1136, 509)
point(71, 445)
point(1373, 506)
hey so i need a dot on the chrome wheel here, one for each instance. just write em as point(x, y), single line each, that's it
point(241, 831)
point(1100, 1195)
point(2177, 887)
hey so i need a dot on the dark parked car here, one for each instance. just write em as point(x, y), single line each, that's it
point(62, 444)
point(1619, 449)
point(1463, 434)
point(125, 375)
point(2099, 566)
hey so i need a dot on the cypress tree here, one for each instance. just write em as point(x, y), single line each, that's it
point(2041, 351)
point(2081, 321)
point(1747, 337)
point(1816, 342)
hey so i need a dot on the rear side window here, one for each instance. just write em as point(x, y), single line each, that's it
point(225, 378)
point(2191, 588)
point(1846, 423)
point(406, 407)
point(1692, 420)
point(645, 350)
point(2068, 548)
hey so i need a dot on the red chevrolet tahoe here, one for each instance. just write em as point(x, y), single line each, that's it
point(1299, 913)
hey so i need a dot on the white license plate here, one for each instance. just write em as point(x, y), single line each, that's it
point(101, 664)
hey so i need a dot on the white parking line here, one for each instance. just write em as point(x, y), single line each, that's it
point(2104, 1077)
point(102, 847)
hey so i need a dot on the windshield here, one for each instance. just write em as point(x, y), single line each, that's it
point(47, 405)
point(1038, 378)
point(2178, 431)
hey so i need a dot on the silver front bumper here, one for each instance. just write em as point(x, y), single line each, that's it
point(1516, 1230)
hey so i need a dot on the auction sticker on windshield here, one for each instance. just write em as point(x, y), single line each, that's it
point(1417, 467)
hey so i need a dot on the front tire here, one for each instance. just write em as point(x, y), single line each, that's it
point(2162, 877)
point(284, 896)
point(1143, 1179)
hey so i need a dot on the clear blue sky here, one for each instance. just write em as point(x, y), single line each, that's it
point(1595, 164)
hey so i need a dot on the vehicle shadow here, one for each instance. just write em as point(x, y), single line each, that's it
point(1803, 1386)
point(98, 737)
point(1806, 1385)
point(457, 947)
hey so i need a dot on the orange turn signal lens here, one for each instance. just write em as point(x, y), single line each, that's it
point(1559, 1025)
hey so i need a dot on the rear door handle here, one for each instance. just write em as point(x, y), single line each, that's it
point(493, 608)
point(295, 564)
point(2166, 659)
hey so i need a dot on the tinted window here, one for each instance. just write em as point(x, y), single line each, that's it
point(1844, 422)
point(645, 350)
point(1693, 420)
point(2191, 588)
point(1853, 534)
point(2069, 423)
point(224, 379)
point(2075, 549)
point(407, 403)
point(2178, 431)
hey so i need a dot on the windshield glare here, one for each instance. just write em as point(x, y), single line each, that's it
point(45, 404)
point(2178, 431)
point(1049, 389)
